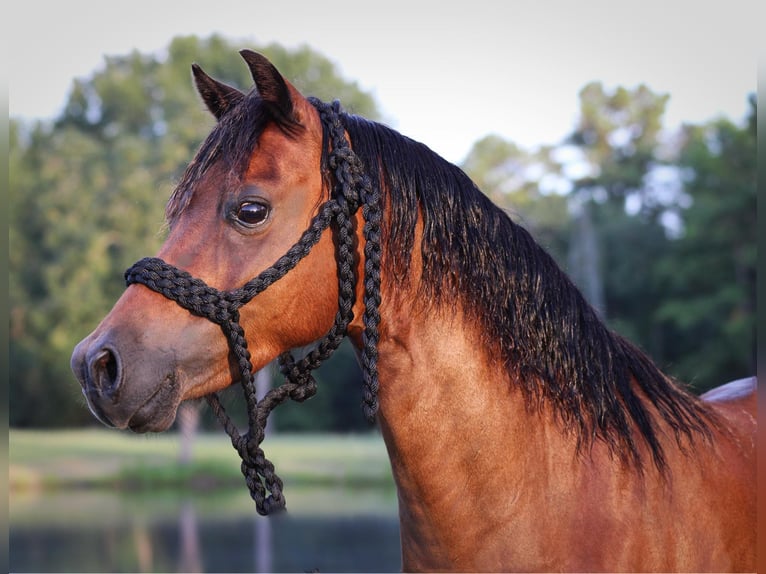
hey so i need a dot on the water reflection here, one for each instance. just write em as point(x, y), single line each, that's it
point(263, 545)
point(189, 549)
point(84, 531)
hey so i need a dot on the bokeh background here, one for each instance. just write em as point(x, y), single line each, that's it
point(623, 137)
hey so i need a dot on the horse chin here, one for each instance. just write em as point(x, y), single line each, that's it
point(153, 414)
point(156, 415)
point(140, 425)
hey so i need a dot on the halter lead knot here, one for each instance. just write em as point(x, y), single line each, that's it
point(352, 188)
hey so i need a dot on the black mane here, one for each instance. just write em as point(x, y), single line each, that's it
point(542, 327)
point(536, 321)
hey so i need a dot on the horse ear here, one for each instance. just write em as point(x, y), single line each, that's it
point(271, 86)
point(218, 97)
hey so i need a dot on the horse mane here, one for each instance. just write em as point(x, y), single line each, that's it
point(543, 329)
point(536, 321)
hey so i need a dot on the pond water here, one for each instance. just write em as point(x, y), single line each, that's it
point(325, 529)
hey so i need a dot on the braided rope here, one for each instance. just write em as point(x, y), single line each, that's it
point(352, 189)
point(349, 168)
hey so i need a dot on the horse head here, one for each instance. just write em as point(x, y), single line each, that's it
point(253, 188)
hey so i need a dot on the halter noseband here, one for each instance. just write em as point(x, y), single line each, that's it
point(352, 188)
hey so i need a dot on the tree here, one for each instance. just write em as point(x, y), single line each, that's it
point(617, 136)
point(710, 272)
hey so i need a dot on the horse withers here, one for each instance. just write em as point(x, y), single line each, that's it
point(522, 433)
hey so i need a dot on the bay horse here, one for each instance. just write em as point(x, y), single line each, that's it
point(522, 433)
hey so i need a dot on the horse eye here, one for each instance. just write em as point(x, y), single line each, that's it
point(251, 213)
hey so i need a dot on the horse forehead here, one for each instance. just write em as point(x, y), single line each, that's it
point(278, 157)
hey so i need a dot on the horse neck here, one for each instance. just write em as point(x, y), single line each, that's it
point(461, 440)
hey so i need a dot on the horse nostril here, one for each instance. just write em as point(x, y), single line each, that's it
point(105, 372)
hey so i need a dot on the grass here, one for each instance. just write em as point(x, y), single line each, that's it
point(96, 458)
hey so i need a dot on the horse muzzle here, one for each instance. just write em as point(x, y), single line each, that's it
point(100, 368)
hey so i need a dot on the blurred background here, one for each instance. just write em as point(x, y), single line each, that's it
point(634, 166)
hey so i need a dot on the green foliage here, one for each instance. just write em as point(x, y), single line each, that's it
point(618, 133)
point(337, 406)
point(710, 273)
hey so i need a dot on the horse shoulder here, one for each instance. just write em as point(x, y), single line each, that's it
point(734, 487)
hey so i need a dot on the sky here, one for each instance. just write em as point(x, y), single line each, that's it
point(444, 73)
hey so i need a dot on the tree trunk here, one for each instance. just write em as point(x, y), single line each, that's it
point(188, 425)
point(585, 257)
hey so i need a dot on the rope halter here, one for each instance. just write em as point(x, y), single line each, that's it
point(352, 189)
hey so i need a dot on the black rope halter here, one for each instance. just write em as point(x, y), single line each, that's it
point(352, 189)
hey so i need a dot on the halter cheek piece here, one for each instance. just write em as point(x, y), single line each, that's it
point(351, 189)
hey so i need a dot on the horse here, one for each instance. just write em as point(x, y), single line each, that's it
point(522, 433)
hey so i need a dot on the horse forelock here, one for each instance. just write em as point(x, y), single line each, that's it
point(230, 145)
point(598, 384)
